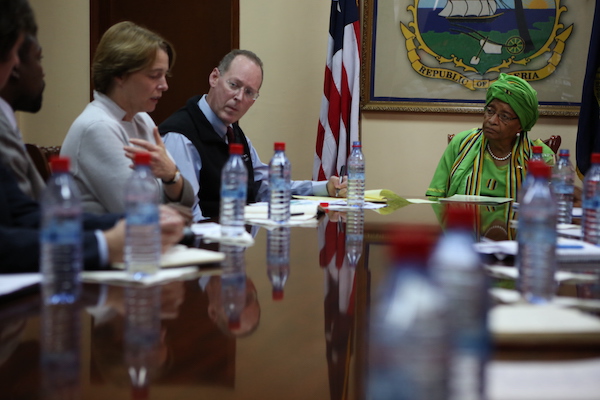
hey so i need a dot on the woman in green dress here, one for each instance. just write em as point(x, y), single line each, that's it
point(492, 160)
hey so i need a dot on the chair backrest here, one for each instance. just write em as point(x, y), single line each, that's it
point(553, 142)
point(40, 155)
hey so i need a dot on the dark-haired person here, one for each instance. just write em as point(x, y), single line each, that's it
point(20, 217)
point(23, 92)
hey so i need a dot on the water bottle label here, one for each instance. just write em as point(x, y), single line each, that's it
point(143, 214)
point(279, 183)
point(62, 232)
point(593, 203)
point(234, 193)
point(562, 188)
point(356, 175)
point(538, 233)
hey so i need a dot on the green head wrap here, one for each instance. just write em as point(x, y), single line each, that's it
point(519, 95)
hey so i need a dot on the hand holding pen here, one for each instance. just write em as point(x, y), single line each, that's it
point(340, 184)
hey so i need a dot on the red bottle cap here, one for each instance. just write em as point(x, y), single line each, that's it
point(539, 169)
point(277, 294)
point(142, 158)
point(537, 149)
point(413, 243)
point(60, 164)
point(595, 158)
point(236, 148)
point(279, 146)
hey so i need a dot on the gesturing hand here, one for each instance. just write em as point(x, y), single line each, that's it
point(161, 164)
point(171, 227)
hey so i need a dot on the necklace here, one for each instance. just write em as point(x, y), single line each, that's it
point(498, 158)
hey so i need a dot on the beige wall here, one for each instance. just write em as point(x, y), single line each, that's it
point(401, 149)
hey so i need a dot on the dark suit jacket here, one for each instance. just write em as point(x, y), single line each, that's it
point(191, 122)
point(20, 219)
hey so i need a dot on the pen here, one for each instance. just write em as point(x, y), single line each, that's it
point(342, 172)
point(569, 246)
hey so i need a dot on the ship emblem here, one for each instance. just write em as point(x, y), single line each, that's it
point(470, 42)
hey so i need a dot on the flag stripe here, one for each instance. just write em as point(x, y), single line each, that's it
point(338, 120)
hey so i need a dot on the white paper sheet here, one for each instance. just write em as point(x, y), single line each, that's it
point(123, 278)
point(544, 380)
point(10, 283)
point(567, 249)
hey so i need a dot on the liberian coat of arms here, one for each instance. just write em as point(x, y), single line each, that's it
point(470, 42)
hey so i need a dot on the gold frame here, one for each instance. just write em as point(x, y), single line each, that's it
point(369, 103)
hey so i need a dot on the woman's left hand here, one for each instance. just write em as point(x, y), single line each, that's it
point(161, 164)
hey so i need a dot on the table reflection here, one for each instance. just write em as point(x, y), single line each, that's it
point(492, 222)
point(278, 259)
point(233, 301)
point(128, 341)
point(145, 353)
point(310, 344)
point(338, 258)
point(61, 351)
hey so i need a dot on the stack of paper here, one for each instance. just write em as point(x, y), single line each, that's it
point(181, 255)
point(463, 198)
point(567, 249)
point(124, 278)
point(303, 213)
point(522, 324)
point(11, 283)
point(210, 232)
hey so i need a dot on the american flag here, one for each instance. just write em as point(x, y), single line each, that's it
point(338, 122)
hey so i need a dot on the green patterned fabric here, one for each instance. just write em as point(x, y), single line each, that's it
point(463, 168)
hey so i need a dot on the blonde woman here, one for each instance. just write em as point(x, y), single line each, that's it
point(129, 72)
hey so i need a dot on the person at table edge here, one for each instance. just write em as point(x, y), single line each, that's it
point(20, 216)
point(492, 160)
point(196, 136)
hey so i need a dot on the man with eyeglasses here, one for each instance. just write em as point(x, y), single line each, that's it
point(492, 160)
point(197, 136)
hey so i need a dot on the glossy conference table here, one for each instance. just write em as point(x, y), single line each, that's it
point(311, 344)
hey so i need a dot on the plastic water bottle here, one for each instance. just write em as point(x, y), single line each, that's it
point(233, 284)
point(563, 184)
point(458, 271)
point(590, 223)
point(536, 155)
point(280, 185)
point(355, 219)
point(61, 236)
point(234, 189)
point(142, 236)
point(278, 259)
point(536, 258)
point(356, 176)
point(408, 334)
